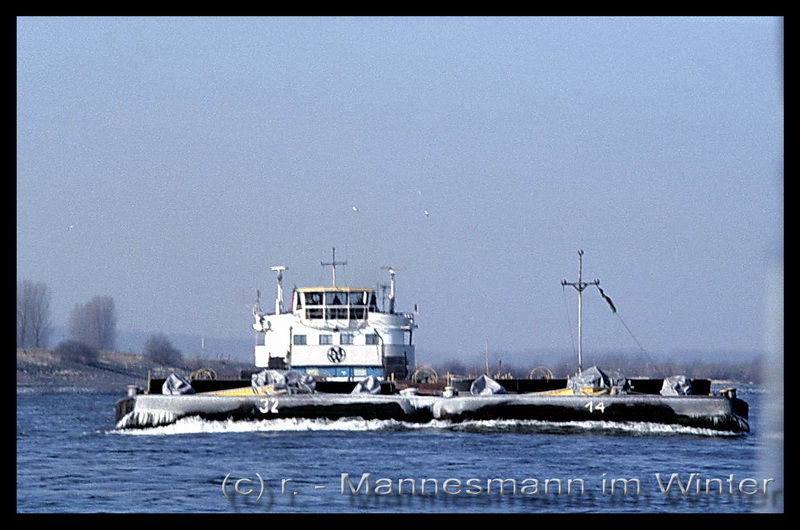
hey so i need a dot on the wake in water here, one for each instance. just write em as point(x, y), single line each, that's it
point(199, 426)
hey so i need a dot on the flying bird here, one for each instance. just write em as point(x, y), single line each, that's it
point(355, 209)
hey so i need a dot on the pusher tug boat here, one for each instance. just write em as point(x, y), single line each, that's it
point(335, 354)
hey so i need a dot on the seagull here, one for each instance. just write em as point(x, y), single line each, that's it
point(427, 212)
point(355, 209)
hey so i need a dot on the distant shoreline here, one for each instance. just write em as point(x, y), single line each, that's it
point(40, 370)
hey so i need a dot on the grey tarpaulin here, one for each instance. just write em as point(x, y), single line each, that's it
point(175, 385)
point(592, 378)
point(618, 381)
point(485, 385)
point(292, 381)
point(369, 385)
point(596, 379)
point(676, 385)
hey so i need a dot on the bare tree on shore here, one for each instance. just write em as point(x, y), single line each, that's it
point(95, 323)
point(159, 349)
point(33, 314)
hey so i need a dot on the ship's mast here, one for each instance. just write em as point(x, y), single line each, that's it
point(392, 271)
point(333, 265)
point(579, 286)
point(279, 298)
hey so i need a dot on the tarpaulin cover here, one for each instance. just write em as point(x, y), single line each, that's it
point(596, 379)
point(176, 385)
point(593, 378)
point(293, 381)
point(485, 385)
point(676, 385)
point(618, 380)
point(369, 385)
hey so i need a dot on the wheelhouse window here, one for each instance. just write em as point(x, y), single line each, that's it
point(373, 303)
point(314, 298)
point(335, 298)
point(358, 298)
point(300, 340)
point(314, 312)
point(326, 339)
point(372, 338)
point(339, 304)
point(336, 313)
point(346, 338)
point(358, 304)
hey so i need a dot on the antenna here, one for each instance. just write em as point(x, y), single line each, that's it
point(279, 299)
point(333, 265)
point(579, 286)
point(382, 288)
point(392, 271)
point(486, 354)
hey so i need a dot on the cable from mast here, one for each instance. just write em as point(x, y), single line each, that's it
point(580, 286)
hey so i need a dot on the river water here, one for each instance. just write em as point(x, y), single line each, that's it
point(70, 458)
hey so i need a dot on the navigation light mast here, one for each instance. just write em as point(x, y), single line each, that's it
point(579, 286)
point(279, 298)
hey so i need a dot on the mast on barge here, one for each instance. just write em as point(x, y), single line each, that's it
point(580, 286)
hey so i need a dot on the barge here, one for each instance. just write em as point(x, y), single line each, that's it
point(335, 354)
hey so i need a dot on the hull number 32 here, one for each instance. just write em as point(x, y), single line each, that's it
point(268, 406)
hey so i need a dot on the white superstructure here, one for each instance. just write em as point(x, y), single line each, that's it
point(336, 333)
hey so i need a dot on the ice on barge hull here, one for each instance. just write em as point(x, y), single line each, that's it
point(717, 412)
point(704, 412)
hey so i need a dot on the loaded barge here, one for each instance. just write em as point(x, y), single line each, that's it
point(335, 354)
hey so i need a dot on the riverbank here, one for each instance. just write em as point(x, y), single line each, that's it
point(41, 370)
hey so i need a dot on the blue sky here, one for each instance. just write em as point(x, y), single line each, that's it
point(169, 162)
